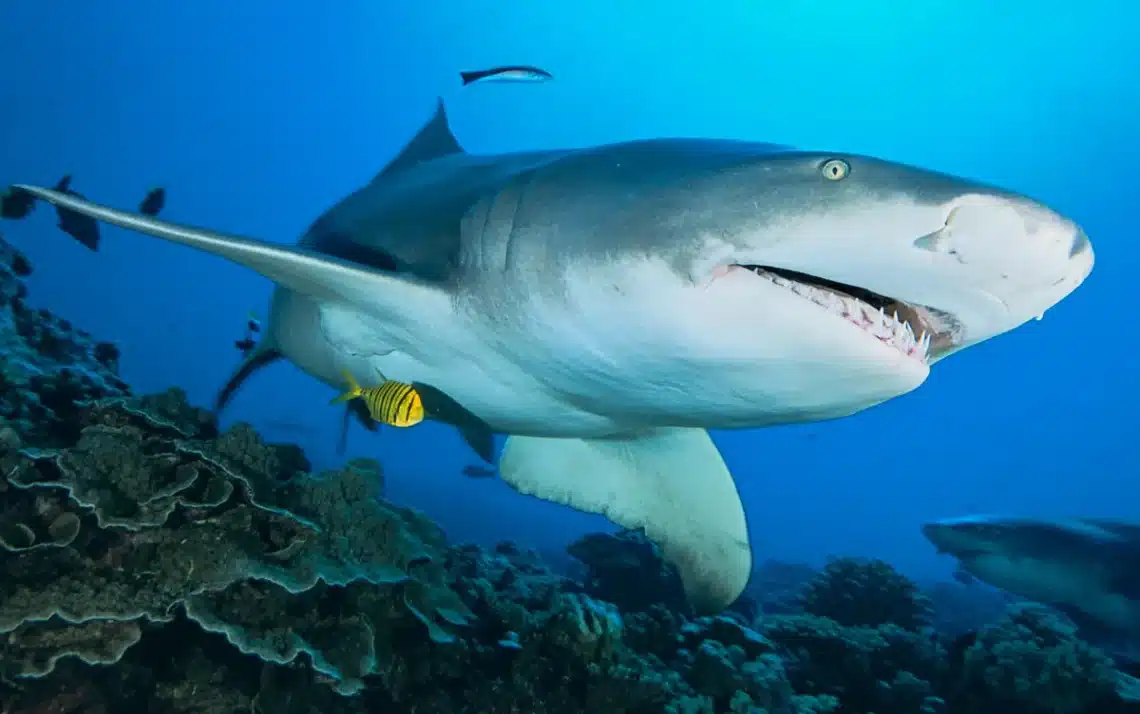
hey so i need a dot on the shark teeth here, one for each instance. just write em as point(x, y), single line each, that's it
point(888, 328)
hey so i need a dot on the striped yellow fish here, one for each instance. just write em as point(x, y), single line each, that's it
point(391, 403)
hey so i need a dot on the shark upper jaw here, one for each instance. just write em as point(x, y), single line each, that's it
point(913, 330)
point(961, 539)
point(990, 265)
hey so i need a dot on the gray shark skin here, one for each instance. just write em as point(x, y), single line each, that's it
point(1087, 568)
point(605, 306)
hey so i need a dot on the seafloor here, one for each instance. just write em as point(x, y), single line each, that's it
point(150, 564)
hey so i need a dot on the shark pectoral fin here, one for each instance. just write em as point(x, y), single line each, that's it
point(396, 299)
point(672, 482)
point(260, 357)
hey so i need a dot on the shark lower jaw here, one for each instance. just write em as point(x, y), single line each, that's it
point(917, 332)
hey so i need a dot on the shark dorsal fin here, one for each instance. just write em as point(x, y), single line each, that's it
point(432, 141)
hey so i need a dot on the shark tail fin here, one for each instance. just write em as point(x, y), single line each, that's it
point(262, 356)
point(352, 392)
point(672, 483)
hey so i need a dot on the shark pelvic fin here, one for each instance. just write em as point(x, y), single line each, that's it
point(673, 483)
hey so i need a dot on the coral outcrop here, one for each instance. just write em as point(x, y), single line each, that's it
point(152, 563)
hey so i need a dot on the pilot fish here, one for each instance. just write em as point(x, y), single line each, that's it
point(392, 403)
point(509, 73)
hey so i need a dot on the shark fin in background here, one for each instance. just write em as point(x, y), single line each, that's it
point(262, 356)
point(672, 483)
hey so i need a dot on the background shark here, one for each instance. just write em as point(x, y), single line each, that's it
point(605, 306)
point(1087, 568)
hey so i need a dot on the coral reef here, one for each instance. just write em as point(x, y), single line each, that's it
point(625, 568)
point(1032, 660)
point(865, 593)
point(151, 563)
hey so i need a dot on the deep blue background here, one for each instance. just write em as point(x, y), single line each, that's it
point(256, 116)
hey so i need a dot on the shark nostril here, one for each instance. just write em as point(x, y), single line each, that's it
point(1080, 244)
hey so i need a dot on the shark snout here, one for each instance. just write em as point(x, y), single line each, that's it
point(962, 536)
point(938, 535)
point(1023, 256)
point(1011, 241)
point(1080, 245)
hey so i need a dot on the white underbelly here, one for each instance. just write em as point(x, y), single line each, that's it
point(324, 341)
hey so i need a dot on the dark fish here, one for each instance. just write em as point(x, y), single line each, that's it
point(508, 73)
point(245, 346)
point(478, 471)
point(153, 202)
point(16, 204)
point(80, 227)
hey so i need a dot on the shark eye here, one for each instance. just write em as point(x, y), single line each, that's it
point(835, 169)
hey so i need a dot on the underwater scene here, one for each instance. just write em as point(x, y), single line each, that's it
point(601, 358)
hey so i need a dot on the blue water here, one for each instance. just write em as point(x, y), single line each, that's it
point(257, 116)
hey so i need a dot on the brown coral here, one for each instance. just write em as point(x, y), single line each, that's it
point(148, 518)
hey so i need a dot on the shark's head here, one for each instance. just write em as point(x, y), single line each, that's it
point(969, 538)
point(801, 286)
point(958, 261)
point(1084, 566)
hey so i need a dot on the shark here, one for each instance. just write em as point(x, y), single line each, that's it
point(603, 307)
point(1087, 568)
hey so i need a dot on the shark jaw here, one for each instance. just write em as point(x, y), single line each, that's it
point(927, 278)
point(910, 330)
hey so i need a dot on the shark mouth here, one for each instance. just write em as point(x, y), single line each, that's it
point(916, 331)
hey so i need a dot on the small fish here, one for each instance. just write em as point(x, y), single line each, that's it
point(245, 346)
point(508, 73)
point(478, 471)
point(80, 227)
point(16, 204)
point(391, 403)
point(153, 202)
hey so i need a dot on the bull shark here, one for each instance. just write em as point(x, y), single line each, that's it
point(605, 306)
point(1087, 568)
